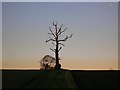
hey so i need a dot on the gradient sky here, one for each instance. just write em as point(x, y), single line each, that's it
point(60, 0)
point(0, 34)
point(94, 25)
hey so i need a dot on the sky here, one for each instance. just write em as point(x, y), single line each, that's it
point(94, 26)
point(60, 0)
point(0, 35)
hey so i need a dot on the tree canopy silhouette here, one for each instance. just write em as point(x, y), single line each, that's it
point(47, 62)
point(56, 41)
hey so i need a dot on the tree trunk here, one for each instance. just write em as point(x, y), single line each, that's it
point(57, 59)
point(57, 66)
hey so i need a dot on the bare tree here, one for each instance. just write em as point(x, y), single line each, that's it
point(58, 30)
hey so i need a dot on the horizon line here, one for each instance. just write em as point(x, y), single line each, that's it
point(61, 68)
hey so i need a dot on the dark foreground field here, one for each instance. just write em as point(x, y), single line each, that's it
point(76, 79)
point(37, 79)
point(96, 79)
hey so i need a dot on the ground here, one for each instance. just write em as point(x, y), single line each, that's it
point(96, 78)
point(59, 79)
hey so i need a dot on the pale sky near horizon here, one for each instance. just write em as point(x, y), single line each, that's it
point(94, 44)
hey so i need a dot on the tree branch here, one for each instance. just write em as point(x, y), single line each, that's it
point(59, 49)
point(65, 38)
point(53, 43)
point(52, 49)
point(54, 24)
point(51, 32)
point(70, 36)
point(61, 44)
point(62, 31)
point(50, 40)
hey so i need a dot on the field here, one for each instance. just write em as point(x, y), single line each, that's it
point(75, 79)
point(37, 79)
point(96, 79)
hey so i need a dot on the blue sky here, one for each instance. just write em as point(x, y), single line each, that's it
point(94, 25)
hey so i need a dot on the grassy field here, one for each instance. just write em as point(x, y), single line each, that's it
point(96, 78)
point(37, 79)
point(59, 79)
